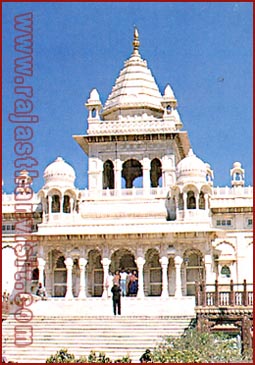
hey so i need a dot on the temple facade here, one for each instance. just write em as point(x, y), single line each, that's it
point(150, 206)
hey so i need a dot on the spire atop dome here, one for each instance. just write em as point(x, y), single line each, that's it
point(191, 153)
point(136, 42)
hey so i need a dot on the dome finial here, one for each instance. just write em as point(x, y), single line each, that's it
point(136, 42)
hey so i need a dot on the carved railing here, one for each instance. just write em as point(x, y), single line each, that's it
point(123, 193)
point(224, 295)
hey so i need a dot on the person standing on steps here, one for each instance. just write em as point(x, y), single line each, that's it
point(123, 282)
point(133, 284)
point(109, 284)
point(116, 278)
point(116, 296)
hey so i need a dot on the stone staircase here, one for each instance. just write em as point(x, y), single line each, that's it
point(80, 333)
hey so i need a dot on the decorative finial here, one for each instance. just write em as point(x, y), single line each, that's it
point(136, 42)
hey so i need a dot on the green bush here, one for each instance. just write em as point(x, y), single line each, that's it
point(195, 347)
point(62, 356)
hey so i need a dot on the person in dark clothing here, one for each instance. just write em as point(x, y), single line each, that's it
point(116, 295)
point(146, 357)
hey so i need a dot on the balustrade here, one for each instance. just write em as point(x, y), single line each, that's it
point(223, 295)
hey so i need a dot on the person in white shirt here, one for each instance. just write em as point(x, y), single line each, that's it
point(123, 282)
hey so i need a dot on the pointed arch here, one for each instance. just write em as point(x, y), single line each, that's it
point(193, 262)
point(152, 273)
point(131, 170)
point(108, 175)
point(156, 173)
point(95, 273)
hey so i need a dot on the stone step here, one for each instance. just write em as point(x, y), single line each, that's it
point(115, 336)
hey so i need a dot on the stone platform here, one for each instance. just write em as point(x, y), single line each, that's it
point(130, 306)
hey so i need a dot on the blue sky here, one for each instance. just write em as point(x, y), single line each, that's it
point(204, 50)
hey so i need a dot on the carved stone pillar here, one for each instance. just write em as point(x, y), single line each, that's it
point(41, 266)
point(140, 261)
point(117, 174)
point(71, 205)
point(184, 204)
point(62, 204)
point(177, 206)
point(49, 206)
point(82, 266)
point(69, 289)
point(146, 173)
point(178, 284)
point(206, 197)
point(208, 269)
point(49, 286)
point(197, 200)
point(106, 263)
point(164, 265)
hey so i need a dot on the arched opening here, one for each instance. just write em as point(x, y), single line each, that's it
point(66, 204)
point(60, 276)
point(108, 175)
point(156, 173)
point(191, 200)
point(95, 274)
point(201, 201)
point(225, 272)
point(123, 259)
point(237, 176)
point(153, 273)
point(181, 202)
point(171, 209)
point(193, 261)
point(131, 170)
point(34, 280)
point(93, 113)
point(55, 204)
point(168, 109)
point(76, 277)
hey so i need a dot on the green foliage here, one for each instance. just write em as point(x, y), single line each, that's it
point(123, 360)
point(195, 347)
point(62, 356)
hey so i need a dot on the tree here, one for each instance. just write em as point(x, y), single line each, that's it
point(196, 347)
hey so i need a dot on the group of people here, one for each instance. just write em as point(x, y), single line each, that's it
point(123, 283)
point(126, 280)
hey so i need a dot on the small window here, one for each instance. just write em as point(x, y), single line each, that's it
point(94, 113)
point(249, 222)
point(168, 109)
point(223, 222)
point(13, 227)
point(8, 228)
point(3, 228)
point(225, 271)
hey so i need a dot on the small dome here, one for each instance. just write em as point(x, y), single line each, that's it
point(191, 169)
point(59, 173)
point(236, 165)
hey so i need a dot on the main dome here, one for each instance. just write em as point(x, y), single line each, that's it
point(135, 88)
point(59, 173)
point(191, 169)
